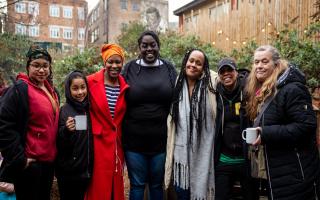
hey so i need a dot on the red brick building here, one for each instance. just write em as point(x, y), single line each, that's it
point(57, 23)
point(109, 16)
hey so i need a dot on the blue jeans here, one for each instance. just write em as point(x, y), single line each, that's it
point(145, 169)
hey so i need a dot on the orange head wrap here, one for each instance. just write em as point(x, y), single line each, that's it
point(108, 50)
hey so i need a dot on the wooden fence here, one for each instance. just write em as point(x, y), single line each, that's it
point(229, 24)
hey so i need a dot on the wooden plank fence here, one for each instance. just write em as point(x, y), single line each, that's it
point(229, 24)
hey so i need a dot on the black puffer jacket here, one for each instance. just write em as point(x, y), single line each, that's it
point(288, 134)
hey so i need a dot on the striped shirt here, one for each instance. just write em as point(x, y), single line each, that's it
point(112, 93)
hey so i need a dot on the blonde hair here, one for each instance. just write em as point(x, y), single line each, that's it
point(268, 87)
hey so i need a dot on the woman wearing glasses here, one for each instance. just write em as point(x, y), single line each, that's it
point(29, 114)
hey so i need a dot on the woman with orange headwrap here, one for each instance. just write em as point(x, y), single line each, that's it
point(107, 108)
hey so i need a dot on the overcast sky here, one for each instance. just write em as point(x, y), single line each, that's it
point(173, 5)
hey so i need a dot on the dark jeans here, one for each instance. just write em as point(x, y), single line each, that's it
point(145, 169)
point(72, 189)
point(225, 177)
point(182, 194)
point(35, 182)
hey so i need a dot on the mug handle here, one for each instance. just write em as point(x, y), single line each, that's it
point(242, 134)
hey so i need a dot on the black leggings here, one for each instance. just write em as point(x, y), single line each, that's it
point(226, 175)
point(35, 182)
point(72, 189)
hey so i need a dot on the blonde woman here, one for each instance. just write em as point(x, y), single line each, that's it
point(287, 126)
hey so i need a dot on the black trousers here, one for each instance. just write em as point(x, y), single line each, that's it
point(35, 182)
point(225, 177)
point(72, 189)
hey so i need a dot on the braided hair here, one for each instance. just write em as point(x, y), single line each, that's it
point(198, 105)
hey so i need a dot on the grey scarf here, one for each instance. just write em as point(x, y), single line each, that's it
point(194, 162)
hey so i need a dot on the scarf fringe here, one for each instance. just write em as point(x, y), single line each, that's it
point(210, 195)
point(181, 175)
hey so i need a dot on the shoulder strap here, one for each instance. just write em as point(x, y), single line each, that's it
point(263, 108)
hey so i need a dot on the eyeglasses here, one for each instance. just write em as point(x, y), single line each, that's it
point(38, 66)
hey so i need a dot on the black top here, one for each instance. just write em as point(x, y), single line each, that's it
point(231, 120)
point(75, 149)
point(144, 127)
point(232, 142)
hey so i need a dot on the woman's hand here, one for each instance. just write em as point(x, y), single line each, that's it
point(258, 140)
point(70, 124)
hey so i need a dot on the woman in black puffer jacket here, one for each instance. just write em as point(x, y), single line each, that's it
point(287, 127)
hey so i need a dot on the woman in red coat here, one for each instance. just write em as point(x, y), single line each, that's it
point(107, 108)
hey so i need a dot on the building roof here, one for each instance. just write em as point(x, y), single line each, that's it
point(189, 6)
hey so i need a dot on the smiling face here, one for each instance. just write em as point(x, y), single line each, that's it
point(195, 65)
point(263, 65)
point(113, 66)
point(228, 77)
point(149, 49)
point(38, 70)
point(78, 89)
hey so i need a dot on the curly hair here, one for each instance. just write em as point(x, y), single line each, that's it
point(201, 86)
point(268, 87)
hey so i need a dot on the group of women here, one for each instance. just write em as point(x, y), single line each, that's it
point(178, 130)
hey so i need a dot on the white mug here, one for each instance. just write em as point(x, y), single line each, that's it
point(81, 122)
point(251, 135)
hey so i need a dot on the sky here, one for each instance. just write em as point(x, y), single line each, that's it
point(173, 5)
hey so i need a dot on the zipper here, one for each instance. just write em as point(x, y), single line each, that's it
point(268, 172)
point(88, 147)
point(300, 165)
point(222, 117)
point(267, 164)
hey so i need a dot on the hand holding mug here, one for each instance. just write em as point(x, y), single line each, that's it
point(70, 124)
point(250, 135)
point(258, 140)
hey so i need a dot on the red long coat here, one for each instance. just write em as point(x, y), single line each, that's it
point(107, 177)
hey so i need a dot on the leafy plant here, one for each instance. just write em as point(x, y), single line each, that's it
point(88, 62)
point(13, 53)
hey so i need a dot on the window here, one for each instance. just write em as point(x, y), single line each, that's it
point(216, 12)
point(95, 15)
point(54, 11)
point(124, 4)
point(33, 8)
point(195, 19)
point(94, 35)
point(81, 13)
point(81, 48)
point(135, 6)
point(66, 47)
point(20, 7)
point(21, 29)
point(54, 32)
point(67, 33)
point(81, 34)
point(124, 26)
point(34, 31)
point(187, 23)
point(67, 12)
